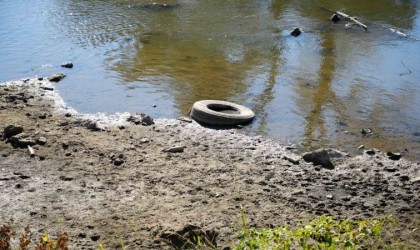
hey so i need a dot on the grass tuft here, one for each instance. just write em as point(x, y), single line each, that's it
point(324, 232)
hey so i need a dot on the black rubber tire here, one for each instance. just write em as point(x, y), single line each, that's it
point(205, 112)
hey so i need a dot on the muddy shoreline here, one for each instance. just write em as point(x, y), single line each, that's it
point(102, 178)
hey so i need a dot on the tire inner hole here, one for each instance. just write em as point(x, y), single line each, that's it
point(223, 108)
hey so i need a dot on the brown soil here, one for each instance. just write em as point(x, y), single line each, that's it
point(103, 185)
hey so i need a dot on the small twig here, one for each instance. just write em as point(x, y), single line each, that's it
point(409, 70)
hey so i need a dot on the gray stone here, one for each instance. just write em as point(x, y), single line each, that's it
point(323, 157)
point(144, 140)
point(56, 77)
point(41, 140)
point(147, 120)
point(185, 119)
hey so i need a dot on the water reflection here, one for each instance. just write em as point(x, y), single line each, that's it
point(320, 88)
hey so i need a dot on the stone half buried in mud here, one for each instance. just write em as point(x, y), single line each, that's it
point(326, 158)
point(142, 119)
point(190, 237)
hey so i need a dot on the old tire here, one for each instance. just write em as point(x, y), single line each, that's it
point(208, 112)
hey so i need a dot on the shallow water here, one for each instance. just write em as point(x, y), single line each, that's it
point(319, 89)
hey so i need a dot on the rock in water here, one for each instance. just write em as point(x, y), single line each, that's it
point(296, 32)
point(56, 77)
point(323, 157)
point(335, 18)
point(68, 65)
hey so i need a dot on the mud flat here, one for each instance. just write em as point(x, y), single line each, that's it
point(105, 178)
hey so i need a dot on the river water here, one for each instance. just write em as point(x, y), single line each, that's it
point(316, 90)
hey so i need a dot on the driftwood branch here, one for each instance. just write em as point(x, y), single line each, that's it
point(409, 70)
point(351, 19)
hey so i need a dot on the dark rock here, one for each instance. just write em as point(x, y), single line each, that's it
point(42, 116)
point(404, 178)
point(68, 115)
point(296, 32)
point(56, 77)
point(323, 157)
point(366, 131)
point(12, 130)
point(391, 169)
point(370, 152)
point(118, 162)
point(335, 18)
point(65, 145)
point(47, 88)
point(40, 78)
point(81, 235)
point(68, 65)
point(95, 237)
point(394, 156)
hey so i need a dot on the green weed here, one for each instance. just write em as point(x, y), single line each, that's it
point(323, 232)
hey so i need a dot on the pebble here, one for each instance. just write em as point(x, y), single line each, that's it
point(65, 145)
point(185, 119)
point(174, 149)
point(118, 162)
point(41, 140)
point(144, 140)
point(95, 237)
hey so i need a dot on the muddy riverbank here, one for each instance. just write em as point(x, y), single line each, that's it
point(102, 179)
